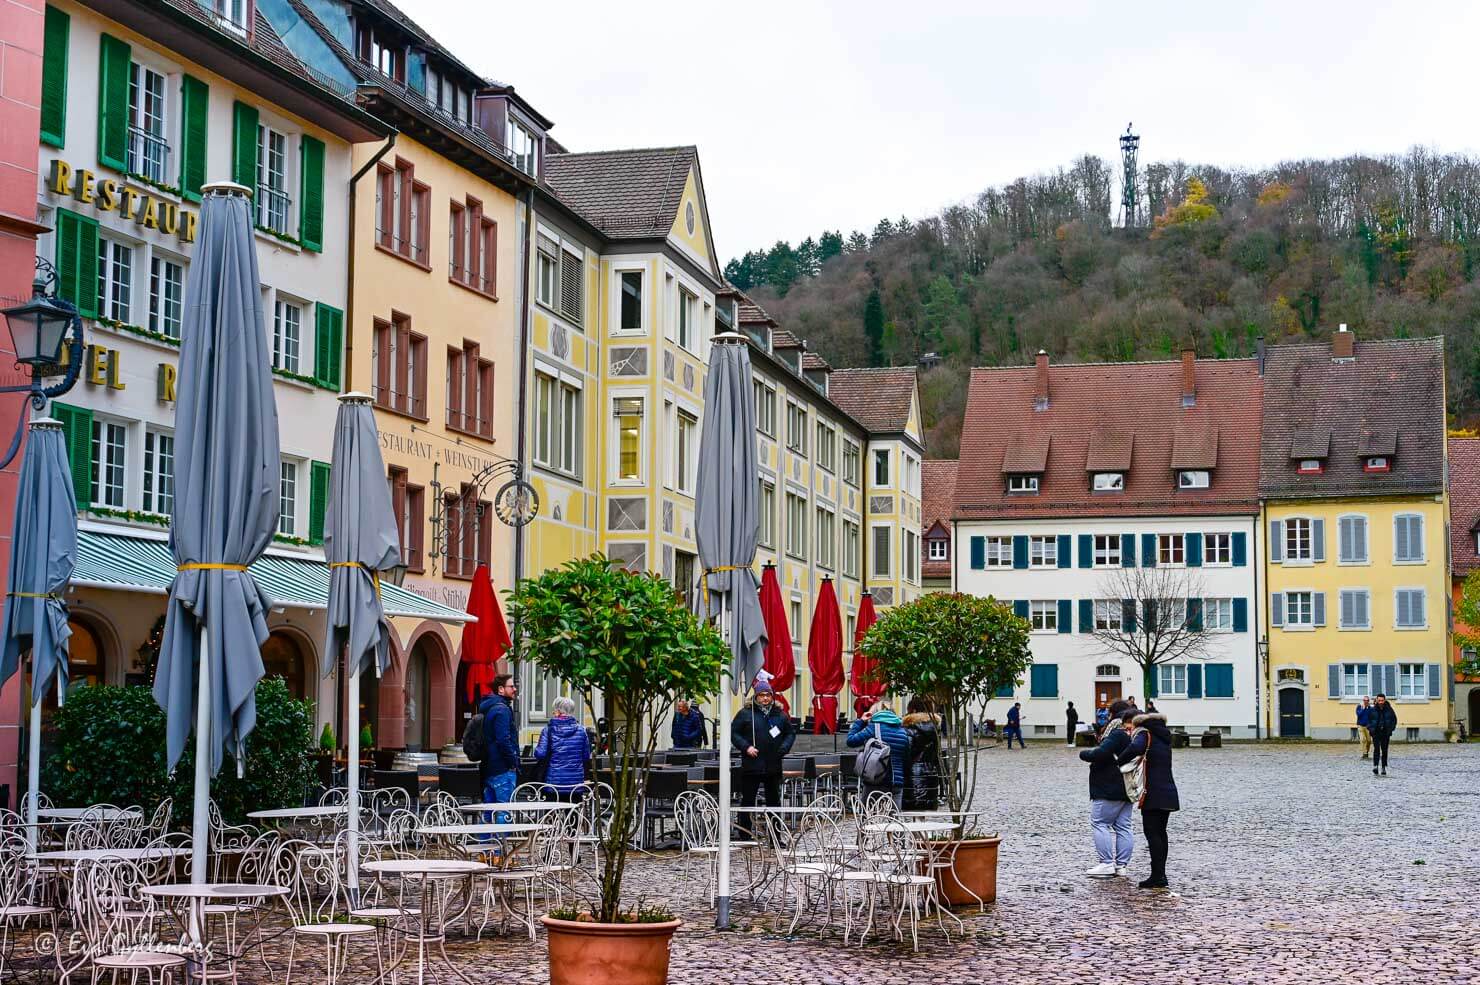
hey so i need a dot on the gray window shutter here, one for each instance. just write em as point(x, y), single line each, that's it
point(1318, 607)
point(1318, 539)
point(1333, 686)
point(1401, 617)
point(1420, 606)
point(1276, 541)
point(1277, 609)
point(1348, 608)
point(1390, 679)
point(1361, 601)
point(1435, 683)
point(1346, 529)
point(1359, 538)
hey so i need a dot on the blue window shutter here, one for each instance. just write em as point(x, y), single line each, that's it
point(1333, 682)
point(1149, 614)
point(1005, 691)
point(1020, 608)
point(1195, 615)
point(1044, 681)
point(1194, 680)
point(1086, 615)
point(1148, 550)
point(1435, 683)
point(1066, 544)
point(1318, 604)
point(978, 553)
point(1020, 551)
point(1240, 549)
point(1128, 615)
point(1194, 550)
point(1276, 541)
point(1154, 689)
point(1240, 615)
point(1066, 615)
point(1127, 550)
point(1276, 609)
point(1219, 681)
point(1086, 550)
point(1318, 539)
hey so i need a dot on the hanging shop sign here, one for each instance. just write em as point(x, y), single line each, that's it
point(107, 195)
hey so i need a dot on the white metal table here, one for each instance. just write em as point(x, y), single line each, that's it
point(197, 896)
point(107, 814)
point(300, 813)
point(426, 872)
point(75, 855)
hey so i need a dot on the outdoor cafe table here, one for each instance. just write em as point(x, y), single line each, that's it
point(75, 855)
point(522, 806)
point(300, 813)
point(107, 814)
point(426, 871)
point(197, 895)
point(913, 827)
point(927, 815)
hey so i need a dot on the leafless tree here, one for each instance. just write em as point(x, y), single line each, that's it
point(1144, 615)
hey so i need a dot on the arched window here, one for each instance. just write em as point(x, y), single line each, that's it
point(1107, 670)
point(86, 664)
point(283, 657)
point(417, 694)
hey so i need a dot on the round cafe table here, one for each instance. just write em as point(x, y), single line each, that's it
point(913, 827)
point(299, 813)
point(519, 807)
point(196, 896)
point(108, 814)
point(426, 871)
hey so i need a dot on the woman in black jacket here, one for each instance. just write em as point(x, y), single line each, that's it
point(1153, 739)
point(922, 784)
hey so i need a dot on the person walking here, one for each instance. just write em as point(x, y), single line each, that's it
point(762, 734)
point(1151, 738)
point(688, 726)
point(1071, 720)
point(922, 785)
point(1109, 808)
point(564, 748)
point(499, 768)
point(1102, 718)
point(1383, 724)
point(1015, 725)
point(881, 721)
point(1364, 725)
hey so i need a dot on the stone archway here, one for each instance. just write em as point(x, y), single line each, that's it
point(426, 692)
point(288, 654)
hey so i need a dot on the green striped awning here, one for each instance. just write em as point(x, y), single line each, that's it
point(140, 564)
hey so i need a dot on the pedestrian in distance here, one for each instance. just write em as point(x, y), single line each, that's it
point(922, 785)
point(1071, 720)
point(1383, 724)
point(762, 734)
point(499, 767)
point(1151, 738)
point(1110, 809)
point(563, 749)
point(688, 726)
point(1364, 726)
point(881, 722)
point(1015, 725)
point(1102, 718)
point(1151, 707)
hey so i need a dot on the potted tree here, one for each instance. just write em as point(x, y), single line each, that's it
point(955, 651)
point(604, 631)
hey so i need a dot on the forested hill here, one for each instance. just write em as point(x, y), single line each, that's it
point(1390, 246)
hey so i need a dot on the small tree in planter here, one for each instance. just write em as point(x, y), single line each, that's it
point(601, 629)
point(955, 651)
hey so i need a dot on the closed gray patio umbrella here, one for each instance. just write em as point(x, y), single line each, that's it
point(726, 526)
point(43, 552)
point(225, 507)
point(360, 540)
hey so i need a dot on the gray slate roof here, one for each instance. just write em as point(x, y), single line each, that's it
point(627, 194)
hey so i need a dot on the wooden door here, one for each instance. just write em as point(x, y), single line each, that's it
point(1106, 693)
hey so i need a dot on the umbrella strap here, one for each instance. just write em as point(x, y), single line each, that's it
point(206, 566)
point(374, 575)
point(704, 581)
point(34, 595)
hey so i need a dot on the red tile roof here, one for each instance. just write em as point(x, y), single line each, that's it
point(1464, 503)
point(1139, 403)
point(627, 194)
point(879, 399)
point(938, 496)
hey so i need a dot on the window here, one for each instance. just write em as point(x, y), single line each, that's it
point(159, 472)
point(273, 203)
point(911, 548)
point(1172, 680)
point(827, 448)
point(1356, 608)
point(1107, 550)
point(547, 272)
point(469, 391)
point(852, 550)
point(686, 433)
point(572, 289)
point(630, 283)
point(1167, 614)
point(1217, 550)
point(938, 549)
point(765, 409)
point(166, 296)
point(1043, 552)
point(1298, 540)
point(796, 428)
point(148, 148)
point(287, 498)
point(1171, 549)
point(557, 424)
point(796, 621)
point(408, 502)
point(109, 457)
point(1310, 466)
point(472, 248)
point(1408, 538)
point(883, 545)
point(1109, 481)
point(1412, 681)
point(1022, 484)
point(1217, 615)
point(685, 577)
point(1410, 608)
point(403, 214)
point(1043, 615)
point(998, 552)
point(881, 467)
point(1377, 463)
point(385, 55)
point(1109, 614)
point(850, 462)
point(688, 317)
point(287, 333)
point(1354, 681)
point(912, 475)
point(767, 533)
point(469, 532)
point(796, 525)
point(115, 280)
point(827, 538)
point(627, 419)
point(399, 367)
point(523, 146)
point(1351, 539)
point(1192, 479)
point(231, 13)
point(1299, 609)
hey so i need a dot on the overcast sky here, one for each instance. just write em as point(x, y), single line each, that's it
point(812, 116)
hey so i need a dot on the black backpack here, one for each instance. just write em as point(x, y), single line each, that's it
point(475, 747)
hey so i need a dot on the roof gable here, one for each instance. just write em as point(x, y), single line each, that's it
point(1464, 503)
point(690, 231)
point(882, 400)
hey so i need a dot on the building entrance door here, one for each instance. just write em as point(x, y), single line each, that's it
point(1474, 704)
point(1292, 713)
point(1106, 693)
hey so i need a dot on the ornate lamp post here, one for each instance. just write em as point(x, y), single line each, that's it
point(40, 329)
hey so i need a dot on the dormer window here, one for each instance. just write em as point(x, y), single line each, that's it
point(523, 144)
point(1193, 479)
point(939, 549)
point(1310, 466)
point(1022, 485)
point(1377, 463)
point(1109, 482)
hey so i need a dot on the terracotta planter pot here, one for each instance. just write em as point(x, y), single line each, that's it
point(974, 877)
point(584, 953)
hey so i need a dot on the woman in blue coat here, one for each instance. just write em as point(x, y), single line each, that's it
point(564, 748)
point(891, 730)
point(1153, 739)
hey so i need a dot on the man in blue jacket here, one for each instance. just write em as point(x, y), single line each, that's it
point(1015, 725)
point(890, 728)
point(500, 766)
point(1364, 725)
point(688, 726)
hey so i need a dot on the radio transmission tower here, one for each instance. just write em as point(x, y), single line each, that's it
point(1130, 215)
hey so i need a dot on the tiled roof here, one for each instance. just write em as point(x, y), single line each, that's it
point(751, 313)
point(1390, 396)
point(1139, 401)
point(811, 360)
point(391, 12)
point(1313, 442)
point(938, 495)
point(879, 399)
point(1464, 503)
point(627, 194)
point(1109, 450)
point(782, 339)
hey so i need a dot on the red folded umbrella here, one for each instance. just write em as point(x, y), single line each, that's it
point(867, 683)
point(825, 659)
point(779, 661)
point(486, 640)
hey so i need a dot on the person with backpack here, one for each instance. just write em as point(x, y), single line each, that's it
point(1151, 738)
point(1110, 809)
point(1382, 724)
point(499, 767)
point(762, 734)
point(885, 757)
point(563, 749)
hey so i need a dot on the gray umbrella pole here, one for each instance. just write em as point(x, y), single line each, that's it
point(200, 823)
point(352, 793)
point(722, 895)
point(33, 772)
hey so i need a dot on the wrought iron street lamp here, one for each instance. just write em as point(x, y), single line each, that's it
point(41, 329)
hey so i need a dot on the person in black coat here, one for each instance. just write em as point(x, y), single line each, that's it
point(922, 784)
point(1071, 722)
point(762, 734)
point(1153, 739)
point(1382, 723)
point(1110, 809)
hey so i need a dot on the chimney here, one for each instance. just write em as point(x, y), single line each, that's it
point(1259, 353)
point(1189, 377)
point(1040, 391)
point(1341, 345)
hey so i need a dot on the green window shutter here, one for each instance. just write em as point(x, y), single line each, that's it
point(77, 432)
point(1043, 681)
point(77, 260)
point(311, 194)
point(54, 78)
point(114, 58)
point(1194, 680)
point(978, 553)
point(1086, 550)
point(328, 344)
point(318, 500)
point(1020, 608)
point(1005, 691)
point(194, 101)
point(244, 145)
point(1086, 615)
point(1062, 549)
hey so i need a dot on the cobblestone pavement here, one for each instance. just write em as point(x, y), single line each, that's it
point(1290, 863)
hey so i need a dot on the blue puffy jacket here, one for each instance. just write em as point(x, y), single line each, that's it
point(1364, 716)
point(566, 748)
point(891, 730)
point(688, 729)
point(499, 734)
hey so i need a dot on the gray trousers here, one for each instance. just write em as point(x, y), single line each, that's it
point(1110, 820)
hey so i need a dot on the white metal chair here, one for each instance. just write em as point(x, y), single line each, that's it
point(317, 905)
point(117, 924)
point(21, 893)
